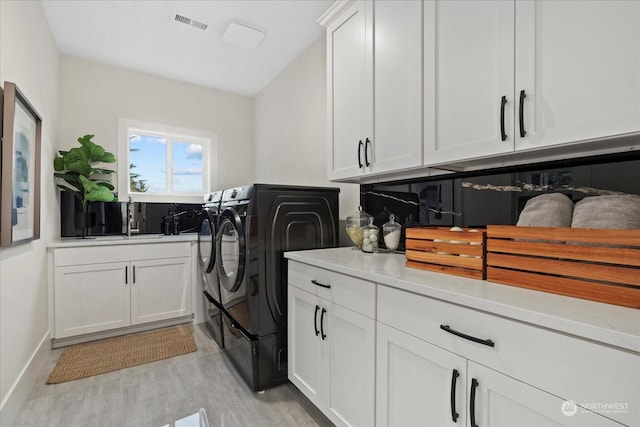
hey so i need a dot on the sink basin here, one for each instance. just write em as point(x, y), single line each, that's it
point(138, 237)
point(122, 237)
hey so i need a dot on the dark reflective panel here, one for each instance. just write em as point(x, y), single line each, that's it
point(480, 198)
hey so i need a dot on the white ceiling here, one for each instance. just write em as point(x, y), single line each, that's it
point(142, 35)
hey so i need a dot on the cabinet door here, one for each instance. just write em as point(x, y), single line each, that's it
point(415, 382)
point(468, 69)
point(397, 138)
point(349, 366)
point(499, 400)
point(91, 298)
point(579, 65)
point(349, 90)
point(304, 343)
point(160, 289)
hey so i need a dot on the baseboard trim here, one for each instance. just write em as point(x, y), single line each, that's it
point(13, 401)
point(78, 339)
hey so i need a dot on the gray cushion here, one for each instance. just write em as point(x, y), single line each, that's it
point(612, 211)
point(547, 210)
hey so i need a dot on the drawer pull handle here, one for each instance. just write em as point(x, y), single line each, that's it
point(454, 378)
point(323, 335)
point(446, 328)
point(523, 132)
point(126, 275)
point(472, 404)
point(359, 153)
point(366, 157)
point(503, 134)
point(320, 284)
point(315, 320)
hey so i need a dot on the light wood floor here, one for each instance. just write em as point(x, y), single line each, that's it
point(159, 393)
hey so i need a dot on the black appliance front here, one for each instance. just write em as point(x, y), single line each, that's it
point(254, 271)
point(207, 261)
point(287, 221)
point(260, 360)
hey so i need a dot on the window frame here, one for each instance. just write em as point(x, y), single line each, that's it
point(208, 140)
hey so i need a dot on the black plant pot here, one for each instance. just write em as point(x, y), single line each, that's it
point(84, 221)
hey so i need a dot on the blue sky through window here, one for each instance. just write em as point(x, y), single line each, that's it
point(149, 155)
point(187, 167)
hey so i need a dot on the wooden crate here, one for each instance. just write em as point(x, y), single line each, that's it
point(594, 264)
point(432, 249)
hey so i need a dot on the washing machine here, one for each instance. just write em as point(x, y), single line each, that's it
point(256, 225)
point(207, 260)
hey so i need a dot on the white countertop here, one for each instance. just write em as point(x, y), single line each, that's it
point(605, 323)
point(122, 240)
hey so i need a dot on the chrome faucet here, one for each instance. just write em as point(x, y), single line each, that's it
point(131, 218)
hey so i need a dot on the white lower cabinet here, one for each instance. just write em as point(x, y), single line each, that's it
point(160, 289)
point(332, 357)
point(146, 283)
point(417, 382)
point(497, 400)
point(508, 373)
point(378, 355)
point(91, 298)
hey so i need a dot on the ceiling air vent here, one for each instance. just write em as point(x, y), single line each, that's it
point(200, 25)
point(183, 19)
point(192, 22)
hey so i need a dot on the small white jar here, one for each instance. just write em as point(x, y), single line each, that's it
point(370, 238)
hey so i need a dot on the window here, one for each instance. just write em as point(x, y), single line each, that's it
point(164, 164)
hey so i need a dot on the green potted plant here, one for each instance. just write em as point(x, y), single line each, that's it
point(76, 173)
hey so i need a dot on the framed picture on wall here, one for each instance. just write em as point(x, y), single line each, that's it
point(20, 188)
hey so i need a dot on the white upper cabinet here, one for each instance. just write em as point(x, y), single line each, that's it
point(397, 124)
point(469, 79)
point(349, 79)
point(503, 76)
point(579, 65)
point(374, 75)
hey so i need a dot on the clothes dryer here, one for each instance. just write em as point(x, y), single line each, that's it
point(257, 224)
point(207, 260)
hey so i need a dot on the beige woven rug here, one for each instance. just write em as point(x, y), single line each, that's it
point(85, 360)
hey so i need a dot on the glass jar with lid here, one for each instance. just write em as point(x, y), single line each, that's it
point(370, 237)
point(355, 222)
point(391, 232)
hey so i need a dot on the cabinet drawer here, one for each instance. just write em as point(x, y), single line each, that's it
point(350, 292)
point(569, 367)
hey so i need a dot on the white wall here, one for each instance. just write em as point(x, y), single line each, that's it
point(94, 96)
point(291, 127)
point(28, 57)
